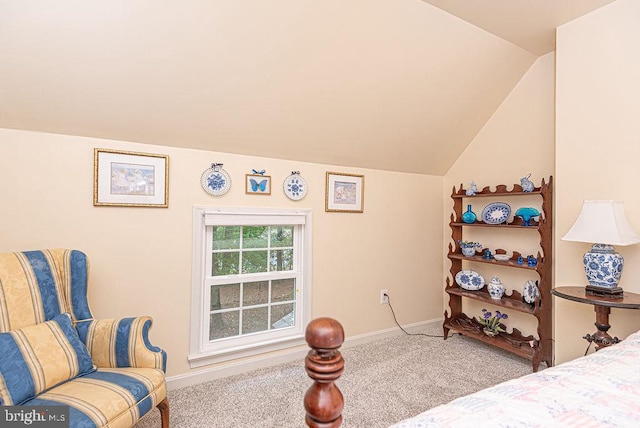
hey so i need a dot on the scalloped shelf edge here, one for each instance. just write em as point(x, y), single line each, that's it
point(501, 189)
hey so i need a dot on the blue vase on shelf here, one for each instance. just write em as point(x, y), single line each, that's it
point(469, 216)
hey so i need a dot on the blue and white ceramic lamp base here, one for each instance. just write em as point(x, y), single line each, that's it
point(603, 267)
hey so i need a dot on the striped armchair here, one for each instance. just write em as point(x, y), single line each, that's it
point(54, 353)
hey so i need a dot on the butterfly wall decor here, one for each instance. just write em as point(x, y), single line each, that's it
point(258, 184)
point(255, 185)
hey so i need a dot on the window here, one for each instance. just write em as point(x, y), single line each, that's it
point(251, 282)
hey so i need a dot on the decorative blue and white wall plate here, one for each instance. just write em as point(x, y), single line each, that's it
point(294, 186)
point(530, 292)
point(496, 213)
point(215, 180)
point(469, 280)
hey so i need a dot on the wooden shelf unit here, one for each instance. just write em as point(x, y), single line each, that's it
point(538, 349)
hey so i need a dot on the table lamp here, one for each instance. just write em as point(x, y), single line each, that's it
point(604, 224)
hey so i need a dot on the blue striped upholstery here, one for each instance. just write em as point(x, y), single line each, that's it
point(121, 343)
point(35, 286)
point(38, 286)
point(118, 397)
point(38, 357)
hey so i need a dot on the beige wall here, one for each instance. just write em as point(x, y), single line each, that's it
point(145, 254)
point(141, 257)
point(598, 147)
point(516, 141)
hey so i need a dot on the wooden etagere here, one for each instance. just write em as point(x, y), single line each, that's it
point(536, 349)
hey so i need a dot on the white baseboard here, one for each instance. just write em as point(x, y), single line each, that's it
point(281, 357)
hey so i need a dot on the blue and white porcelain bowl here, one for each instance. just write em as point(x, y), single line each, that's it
point(468, 251)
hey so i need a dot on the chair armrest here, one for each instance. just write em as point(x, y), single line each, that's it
point(121, 342)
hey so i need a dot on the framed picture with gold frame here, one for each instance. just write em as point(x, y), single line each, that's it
point(344, 193)
point(257, 184)
point(130, 179)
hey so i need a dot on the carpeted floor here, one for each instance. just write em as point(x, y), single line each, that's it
point(383, 382)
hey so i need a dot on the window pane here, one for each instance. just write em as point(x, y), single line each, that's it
point(281, 260)
point(281, 236)
point(254, 236)
point(225, 263)
point(254, 261)
point(283, 289)
point(250, 266)
point(224, 325)
point(282, 316)
point(225, 296)
point(254, 320)
point(226, 237)
point(255, 293)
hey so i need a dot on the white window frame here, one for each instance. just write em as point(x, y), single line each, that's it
point(201, 350)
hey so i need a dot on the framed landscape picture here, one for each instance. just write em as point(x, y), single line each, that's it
point(130, 179)
point(344, 193)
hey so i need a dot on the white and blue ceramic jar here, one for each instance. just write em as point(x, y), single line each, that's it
point(603, 266)
point(495, 288)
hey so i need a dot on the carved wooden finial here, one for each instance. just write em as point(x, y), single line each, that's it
point(324, 364)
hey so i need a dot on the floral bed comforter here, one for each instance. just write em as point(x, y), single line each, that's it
point(601, 389)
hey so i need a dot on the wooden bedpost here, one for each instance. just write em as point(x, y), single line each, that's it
point(324, 364)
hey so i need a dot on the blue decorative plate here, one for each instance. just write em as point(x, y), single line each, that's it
point(496, 213)
point(530, 292)
point(469, 280)
point(295, 187)
point(215, 180)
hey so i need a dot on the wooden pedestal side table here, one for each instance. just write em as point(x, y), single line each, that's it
point(602, 306)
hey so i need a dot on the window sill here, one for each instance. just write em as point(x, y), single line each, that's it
point(205, 358)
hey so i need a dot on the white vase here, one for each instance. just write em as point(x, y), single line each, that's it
point(495, 288)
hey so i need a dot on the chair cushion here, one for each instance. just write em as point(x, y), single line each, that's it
point(39, 357)
point(115, 397)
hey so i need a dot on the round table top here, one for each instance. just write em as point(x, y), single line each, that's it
point(578, 294)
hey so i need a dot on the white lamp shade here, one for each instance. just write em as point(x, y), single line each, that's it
point(602, 222)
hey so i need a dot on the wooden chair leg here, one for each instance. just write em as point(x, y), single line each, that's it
point(163, 406)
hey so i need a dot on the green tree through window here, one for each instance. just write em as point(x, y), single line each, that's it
point(241, 306)
point(251, 290)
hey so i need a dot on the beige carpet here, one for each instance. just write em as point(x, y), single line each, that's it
point(384, 382)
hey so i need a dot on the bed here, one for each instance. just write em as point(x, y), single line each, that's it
point(601, 389)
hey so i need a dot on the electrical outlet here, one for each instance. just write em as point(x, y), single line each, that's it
point(384, 297)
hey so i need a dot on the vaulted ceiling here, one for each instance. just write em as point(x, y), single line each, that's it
point(399, 85)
